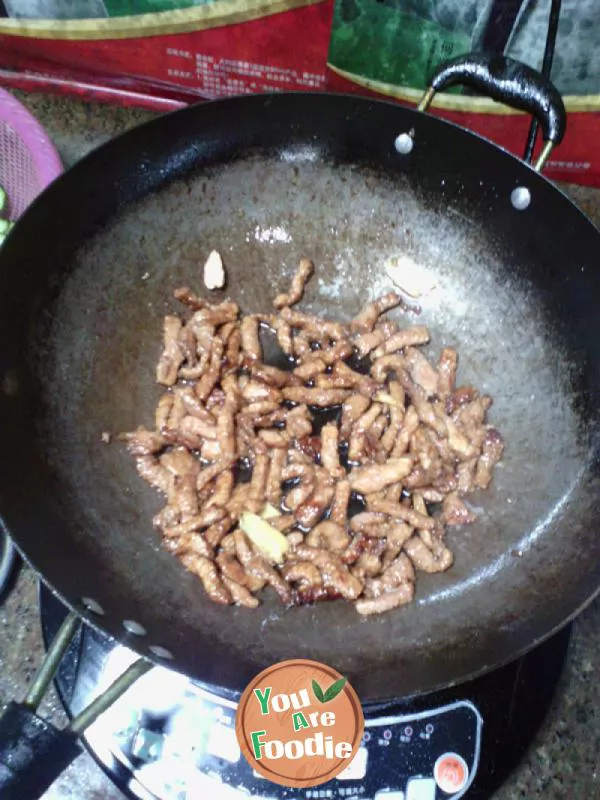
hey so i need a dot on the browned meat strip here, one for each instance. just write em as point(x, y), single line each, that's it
point(408, 426)
point(396, 573)
point(392, 431)
point(250, 340)
point(466, 476)
point(352, 410)
point(187, 342)
point(455, 511)
point(339, 506)
point(240, 594)
point(386, 602)
point(368, 317)
point(204, 333)
point(258, 392)
point(423, 407)
point(209, 379)
point(385, 365)
point(368, 522)
point(376, 477)
point(366, 420)
point(143, 442)
point(345, 377)
point(301, 277)
point(398, 511)
point(397, 534)
point(377, 428)
point(330, 457)
point(425, 559)
point(283, 331)
point(366, 567)
point(341, 350)
point(446, 368)
point(298, 422)
point(283, 523)
point(172, 356)
point(195, 427)
point(163, 410)
point(233, 352)
point(318, 329)
point(258, 571)
point(223, 488)
point(192, 542)
point(493, 448)
point(217, 531)
point(192, 405)
point(274, 438)
point(458, 398)
point(312, 509)
point(315, 397)
point(333, 571)
point(229, 565)
point(304, 573)
point(299, 495)
point(329, 536)
point(226, 434)
point(210, 450)
point(421, 371)
point(303, 471)
point(208, 573)
point(310, 368)
point(185, 295)
point(211, 472)
point(258, 409)
point(365, 343)
point(458, 442)
point(274, 479)
point(207, 517)
point(260, 473)
point(409, 337)
point(177, 412)
point(273, 376)
point(218, 315)
point(153, 473)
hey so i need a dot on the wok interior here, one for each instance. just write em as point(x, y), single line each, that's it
point(262, 214)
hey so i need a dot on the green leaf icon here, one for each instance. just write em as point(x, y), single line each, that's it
point(331, 693)
point(334, 690)
point(318, 692)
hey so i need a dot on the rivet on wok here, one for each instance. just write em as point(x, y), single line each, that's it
point(520, 198)
point(404, 143)
point(92, 605)
point(131, 626)
point(160, 652)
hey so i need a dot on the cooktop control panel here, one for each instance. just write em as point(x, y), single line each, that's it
point(430, 755)
point(426, 756)
point(188, 750)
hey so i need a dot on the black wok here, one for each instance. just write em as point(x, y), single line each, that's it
point(87, 276)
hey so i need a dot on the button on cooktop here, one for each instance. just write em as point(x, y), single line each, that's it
point(420, 789)
point(357, 768)
point(451, 773)
point(389, 794)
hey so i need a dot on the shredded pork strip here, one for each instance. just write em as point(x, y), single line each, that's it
point(342, 454)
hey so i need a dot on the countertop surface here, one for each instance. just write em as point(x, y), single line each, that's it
point(563, 762)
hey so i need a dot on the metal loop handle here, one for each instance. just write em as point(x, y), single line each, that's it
point(33, 753)
point(510, 82)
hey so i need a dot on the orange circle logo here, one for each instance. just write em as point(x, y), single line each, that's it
point(299, 723)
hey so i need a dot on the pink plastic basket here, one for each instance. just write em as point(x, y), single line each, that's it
point(28, 159)
point(28, 163)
